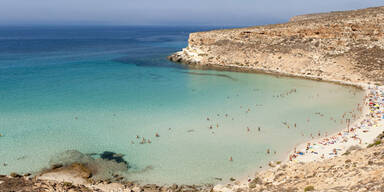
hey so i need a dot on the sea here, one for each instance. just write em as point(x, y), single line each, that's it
point(92, 89)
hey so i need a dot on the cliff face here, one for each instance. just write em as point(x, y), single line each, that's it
point(343, 46)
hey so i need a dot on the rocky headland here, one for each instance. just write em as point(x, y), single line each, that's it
point(344, 47)
point(339, 46)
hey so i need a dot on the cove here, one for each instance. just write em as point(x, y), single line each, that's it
point(105, 89)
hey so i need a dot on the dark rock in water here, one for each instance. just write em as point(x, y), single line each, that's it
point(108, 155)
point(14, 175)
point(56, 166)
point(27, 174)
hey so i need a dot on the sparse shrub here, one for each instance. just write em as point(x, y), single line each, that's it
point(67, 184)
point(309, 188)
point(377, 142)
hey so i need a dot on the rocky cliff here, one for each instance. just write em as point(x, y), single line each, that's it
point(342, 46)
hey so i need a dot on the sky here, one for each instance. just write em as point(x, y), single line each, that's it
point(166, 12)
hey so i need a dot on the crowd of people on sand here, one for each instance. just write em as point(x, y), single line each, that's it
point(330, 146)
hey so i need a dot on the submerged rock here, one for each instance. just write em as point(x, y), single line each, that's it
point(108, 155)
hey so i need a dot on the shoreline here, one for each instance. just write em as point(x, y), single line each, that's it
point(341, 147)
point(367, 135)
point(278, 73)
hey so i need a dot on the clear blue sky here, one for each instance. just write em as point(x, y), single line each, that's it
point(166, 12)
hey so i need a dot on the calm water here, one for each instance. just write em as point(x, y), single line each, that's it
point(94, 89)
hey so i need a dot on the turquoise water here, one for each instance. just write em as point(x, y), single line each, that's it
point(95, 89)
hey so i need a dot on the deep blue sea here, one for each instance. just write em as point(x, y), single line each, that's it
point(96, 89)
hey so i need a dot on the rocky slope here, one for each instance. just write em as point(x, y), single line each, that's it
point(341, 46)
point(356, 170)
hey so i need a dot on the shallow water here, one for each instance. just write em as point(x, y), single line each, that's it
point(94, 89)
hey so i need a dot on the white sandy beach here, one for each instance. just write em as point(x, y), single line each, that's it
point(364, 131)
point(361, 133)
